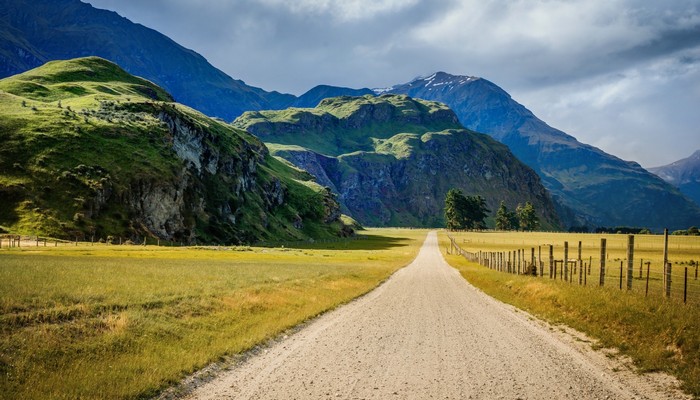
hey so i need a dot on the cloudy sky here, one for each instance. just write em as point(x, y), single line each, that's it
point(622, 75)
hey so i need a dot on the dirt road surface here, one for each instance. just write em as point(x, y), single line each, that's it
point(427, 334)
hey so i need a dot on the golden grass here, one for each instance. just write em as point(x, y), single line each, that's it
point(657, 333)
point(683, 252)
point(122, 322)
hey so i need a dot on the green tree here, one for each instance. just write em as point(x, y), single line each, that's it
point(464, 212)
point(475, 212)
point(502, 218)
point(454, 209)
point(527, 217)
point(505, 219)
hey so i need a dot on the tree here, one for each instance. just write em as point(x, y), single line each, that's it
point(502, 220)
point(454, 205)
point(527, 217)
point(475, 212)
point(464, 212)
point(505, 219)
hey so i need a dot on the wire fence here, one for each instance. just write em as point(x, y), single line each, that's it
point(623, 262)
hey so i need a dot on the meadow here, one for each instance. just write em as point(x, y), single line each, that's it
point(657, 333)
point(122, 321)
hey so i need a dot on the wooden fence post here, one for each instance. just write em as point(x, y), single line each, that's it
point(667, 279)
point(552, 267)
point(646, 292)
point(621, 264)
point(603, 242)
point(630, 261)
point(665, 253)
point(566, 261)
point(685, 286)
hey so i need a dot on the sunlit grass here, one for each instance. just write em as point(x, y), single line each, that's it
point(126, 321)
point(657, 333)
point(683, 251)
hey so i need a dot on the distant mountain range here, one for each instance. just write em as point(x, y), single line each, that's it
point(88, 150)
point(589, 187)
point(683, 174)
point(392, 159)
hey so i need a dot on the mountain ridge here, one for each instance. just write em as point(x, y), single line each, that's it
point(683, 174)
point(65, 29)
point(583, 179)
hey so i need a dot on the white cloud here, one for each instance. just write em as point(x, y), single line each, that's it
point(643, 113)
point(343, 10)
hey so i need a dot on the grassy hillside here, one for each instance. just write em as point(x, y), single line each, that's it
point(346, 124)
point(88, 150)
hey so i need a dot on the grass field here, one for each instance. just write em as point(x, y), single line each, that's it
point(683, 252)
point(127, 321)
point(659, 334)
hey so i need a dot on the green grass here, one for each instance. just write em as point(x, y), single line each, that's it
point(344, 124)
point(120, 322)
point(80, 138)
point(658, 334)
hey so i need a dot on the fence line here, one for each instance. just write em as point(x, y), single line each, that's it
point(644, 277)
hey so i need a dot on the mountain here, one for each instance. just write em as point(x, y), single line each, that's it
point(589, 186)
point(314, 96)
point(87, 149)
point(37, 31)
point(391, 159)
point(683, 174)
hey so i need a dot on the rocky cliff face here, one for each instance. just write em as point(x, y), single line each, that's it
point(142, 167)
point(392, 159)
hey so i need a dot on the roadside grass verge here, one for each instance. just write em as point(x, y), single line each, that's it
point(120, 322)
point(658, 334)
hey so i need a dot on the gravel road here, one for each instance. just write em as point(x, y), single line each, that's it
point(428, 334)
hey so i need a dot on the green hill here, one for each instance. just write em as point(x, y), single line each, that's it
point(391, 159)
point(89, 150)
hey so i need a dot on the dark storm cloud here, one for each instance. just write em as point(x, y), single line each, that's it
point(602, 69)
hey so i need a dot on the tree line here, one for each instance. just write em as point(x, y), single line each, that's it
point(469, 212)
